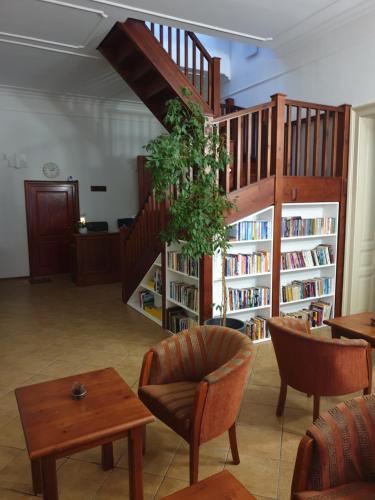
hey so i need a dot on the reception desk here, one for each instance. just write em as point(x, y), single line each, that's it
point(95, 258)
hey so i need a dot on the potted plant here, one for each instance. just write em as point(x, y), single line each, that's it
point(190, 158)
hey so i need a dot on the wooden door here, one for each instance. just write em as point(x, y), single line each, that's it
point(52, 209)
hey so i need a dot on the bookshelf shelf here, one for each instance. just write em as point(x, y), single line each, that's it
point(150, 289)
point(196, 313)
point(307, 299)
point(243, 276)
point(309, 237)
point(248, 242)
point(296, 269)
point(249, 309)
point(182, 274)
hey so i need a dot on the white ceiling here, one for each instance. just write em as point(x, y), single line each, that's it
point(50, 45)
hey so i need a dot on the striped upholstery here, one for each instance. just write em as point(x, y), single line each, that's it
point(352, 491)
point(173, 403)
point(193, 354)
point(344, 450)
point(179, 363)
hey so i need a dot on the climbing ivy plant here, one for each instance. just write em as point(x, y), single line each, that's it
point(187, 161)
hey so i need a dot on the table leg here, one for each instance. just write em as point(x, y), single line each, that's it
point(135, 464)
point(335, 332)
point(49, 477)
point(107, 456)
point(36, 473)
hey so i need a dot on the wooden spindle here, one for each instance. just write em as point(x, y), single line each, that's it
point(307, 142)
point(269, 130)
point(161, 34)
point(239, 152)
point(289, 141)
point(186, 43)
point(249, 145)
point(209, 83)
point(201, 73)
point(334, 144)
point(194, 55)
point(298, 141)
point(316, 142)
point(228, 167)
point(178, 56)
point(325, 143)
point(259, 145)
point(170, 41)
point(153, 28)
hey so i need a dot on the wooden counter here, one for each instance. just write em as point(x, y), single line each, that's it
point(95, 258)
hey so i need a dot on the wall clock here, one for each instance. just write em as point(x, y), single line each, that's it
point(51, 170)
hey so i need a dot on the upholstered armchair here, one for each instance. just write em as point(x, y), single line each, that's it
point(321, 367)
point(194, 382)
point(336, 458)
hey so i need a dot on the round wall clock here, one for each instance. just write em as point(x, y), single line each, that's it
point(51, 170)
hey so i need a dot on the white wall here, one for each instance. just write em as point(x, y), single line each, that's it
point(95, 141)
point(334, 66)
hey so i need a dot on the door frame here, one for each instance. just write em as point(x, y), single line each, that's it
point(29, 208)
point(355, 206)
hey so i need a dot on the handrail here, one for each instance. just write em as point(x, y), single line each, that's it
point(242, 112)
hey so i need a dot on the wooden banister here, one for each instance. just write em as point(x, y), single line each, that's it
point(193, 59)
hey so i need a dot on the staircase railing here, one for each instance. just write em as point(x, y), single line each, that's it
point(141, 245)
point(305, 139)
point(190, 55)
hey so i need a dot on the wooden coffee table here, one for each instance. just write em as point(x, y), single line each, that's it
point(220, 486)
point(55, 425)
point(354, 326)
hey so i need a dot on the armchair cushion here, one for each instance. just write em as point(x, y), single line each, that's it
point(359, 490)
point(172, 403)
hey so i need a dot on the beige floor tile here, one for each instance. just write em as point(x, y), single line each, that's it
point(260, 440)
point(289, 445)
point(170, 485)
point(285, 481)
point(261, 394)
point(210, 462)
point(16, 475)
point(116, 486)
point(12, 434)
point(79, 480)
point(15, 495)
point(258, 474)
point(264, 376)
point(8, 454)
point(255, 414)
point(94, 455)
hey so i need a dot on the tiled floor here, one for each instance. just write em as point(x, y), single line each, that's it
point(55, 329)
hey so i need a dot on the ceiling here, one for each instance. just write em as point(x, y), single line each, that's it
point(50, 45)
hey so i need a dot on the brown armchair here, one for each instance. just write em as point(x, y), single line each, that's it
point(335, 458)
point(194, 382)
point(321, 367)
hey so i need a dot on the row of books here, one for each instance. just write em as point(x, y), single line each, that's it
point(297, 290)
point(319, 256)
point(184, 293)
point(157, 280)
point(257, 262)
point(297, 226)
point(257, 329)
point(315, 314)
point(244, 298)
point(179, 262)
point(250, 230)
point(177, 320)
point(146, 298)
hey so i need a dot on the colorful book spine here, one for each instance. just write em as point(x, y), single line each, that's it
point(297, 226)
point(179, 262)
point(245, 298)
point(319, 256)
point(314, 287)
point(185, 294)
point(251, 230)
point(240, 264)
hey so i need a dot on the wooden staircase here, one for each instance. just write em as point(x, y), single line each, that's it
point(155, 74)
point(282, 151)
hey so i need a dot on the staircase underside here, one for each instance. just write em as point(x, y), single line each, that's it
point(145, 66)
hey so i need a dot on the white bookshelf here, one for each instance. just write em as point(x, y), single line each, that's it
point(309, 242)
point(174, 275)
point(263, 279)
point(147, 284)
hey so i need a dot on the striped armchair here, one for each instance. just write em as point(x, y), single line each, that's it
point(336, 457)
point(194, 381)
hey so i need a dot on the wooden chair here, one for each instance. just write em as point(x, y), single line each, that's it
point(194, 383)
point(335, 458)
point(321, 367)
